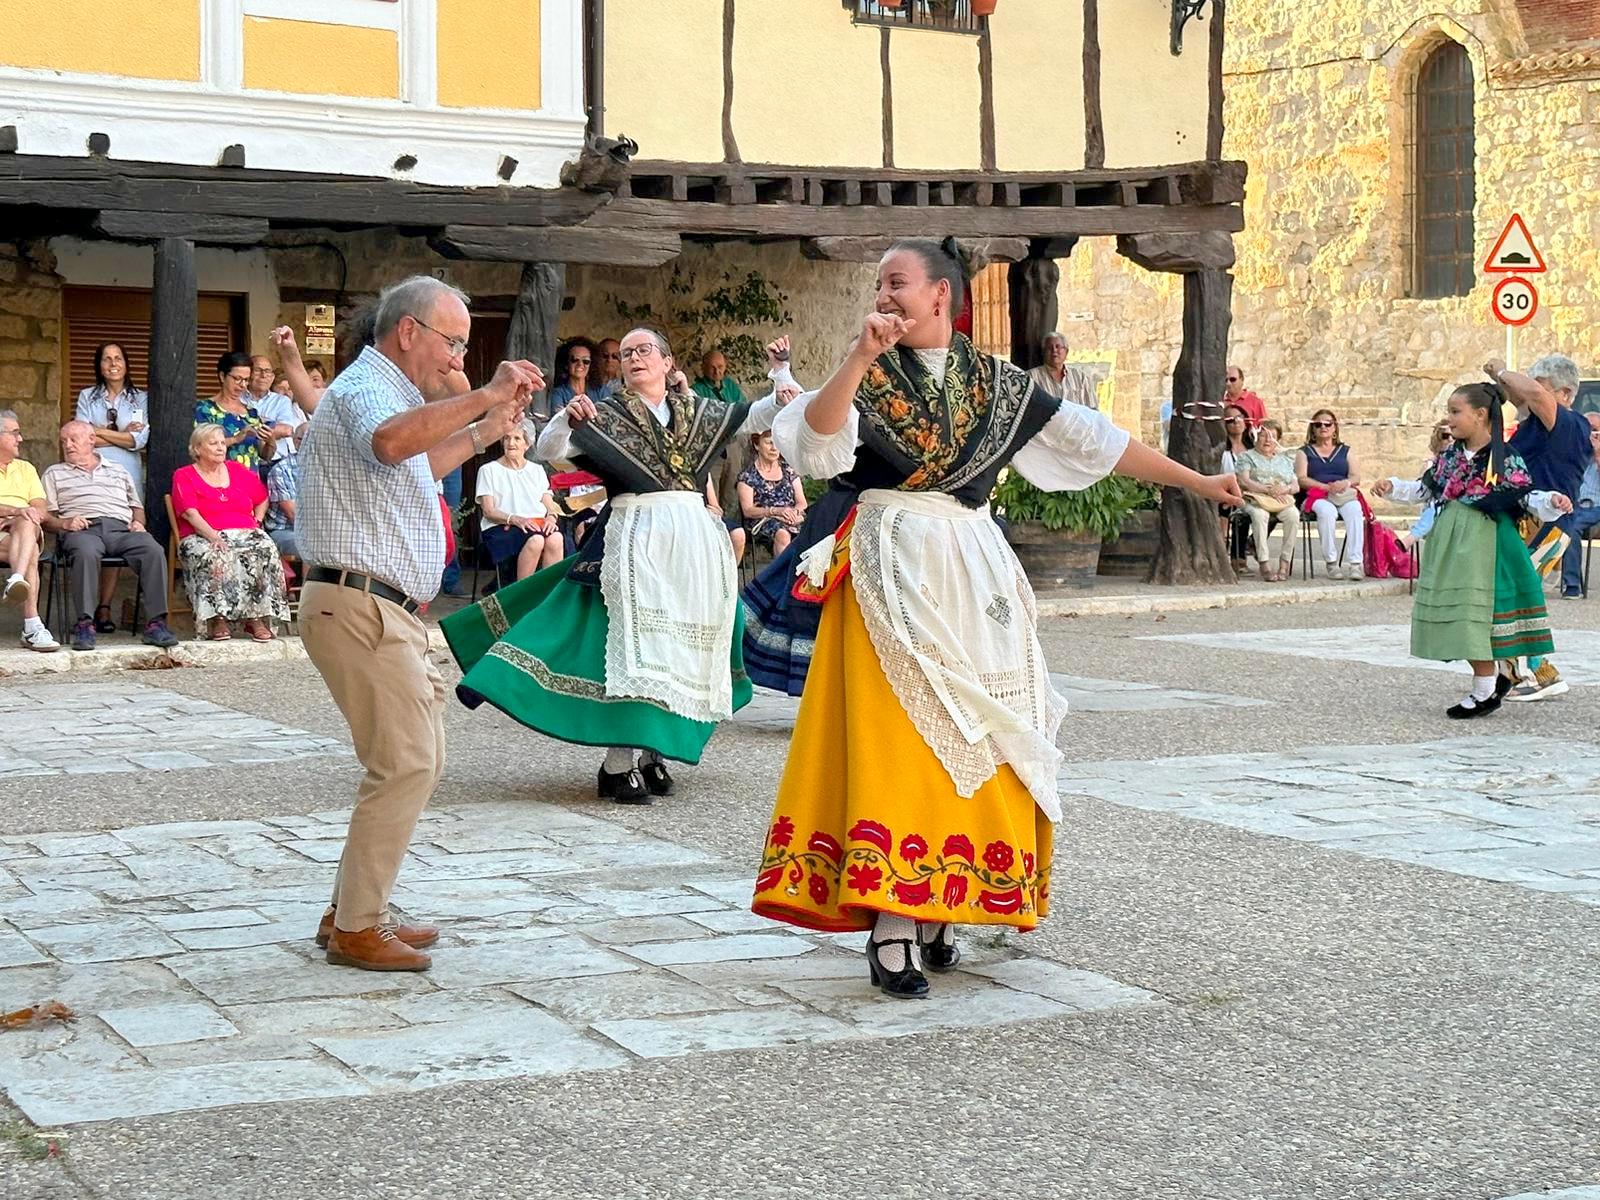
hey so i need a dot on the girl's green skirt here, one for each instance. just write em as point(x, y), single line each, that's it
point(1479, 597)
point(536, 650)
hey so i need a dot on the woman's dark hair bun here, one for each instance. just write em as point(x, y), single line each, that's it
point(954, 249)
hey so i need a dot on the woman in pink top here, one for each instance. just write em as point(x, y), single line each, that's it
point(230, 567)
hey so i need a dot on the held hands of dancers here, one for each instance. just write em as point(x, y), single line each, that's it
point(1382, 488)
point(880, 333)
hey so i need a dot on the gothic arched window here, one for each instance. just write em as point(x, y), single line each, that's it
point(1445, 177)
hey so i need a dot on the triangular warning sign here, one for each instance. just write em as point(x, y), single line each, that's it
point(1514, 252)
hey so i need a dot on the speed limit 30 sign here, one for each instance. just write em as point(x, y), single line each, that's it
point(1515, 301)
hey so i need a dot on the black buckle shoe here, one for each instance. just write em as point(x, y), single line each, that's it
point(625, 787)
point(938, 954)
point(656, 778)
point(909, 984)
point(1471, 707)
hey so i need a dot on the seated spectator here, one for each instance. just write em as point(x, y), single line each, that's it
point(608, 375)
point(770, 496)
point(1327, 471)
point(97, 513)
point(1235, 393)
point(248, 437)
point(22, 517)
point(1267, 478)
point(574, 365)
point(230, 567)
point(519, 512)
point(1058, 379)
point(283, 483)
point(1585, 511)
point(714, 380)
point(1239, 438)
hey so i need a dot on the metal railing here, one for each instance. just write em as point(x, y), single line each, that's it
point(951, 16)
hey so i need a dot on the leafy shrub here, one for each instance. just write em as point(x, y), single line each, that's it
point(1098, 509)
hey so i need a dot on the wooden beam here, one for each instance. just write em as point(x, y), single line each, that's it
point(986, 135)
point(1178, 252)
point(897, 220)
point(983, 251)
point(888, 96)
point(601, 247)
point(1094, 120)
point(1219, 17)
point(730, 146)
point(284, 197)
point(203, 228)
point(532, 333)
point(174, 318)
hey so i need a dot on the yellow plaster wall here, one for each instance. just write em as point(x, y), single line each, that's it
point(937, 97)
point(1156, 106)
point(489, 53)
point(664, 77)
point(110, 37)
point(321, 60)
point(807, 91)
point(1038, 85)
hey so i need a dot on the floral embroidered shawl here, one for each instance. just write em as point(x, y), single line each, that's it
point(634, 452)
point(1459, 474)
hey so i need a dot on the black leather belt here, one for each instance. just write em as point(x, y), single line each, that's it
point(361, 583)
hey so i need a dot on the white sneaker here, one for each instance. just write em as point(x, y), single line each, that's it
point(17, 590)
point(39, 640)
point(1355, 575)
point(1333, 570)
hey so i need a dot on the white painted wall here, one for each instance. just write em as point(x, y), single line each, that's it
point(117, 264)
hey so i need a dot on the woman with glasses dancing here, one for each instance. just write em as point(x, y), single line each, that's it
point(1328, 474)
point(634, 642)
point(920, 788)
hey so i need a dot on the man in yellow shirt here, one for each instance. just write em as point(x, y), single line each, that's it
point(22, 514)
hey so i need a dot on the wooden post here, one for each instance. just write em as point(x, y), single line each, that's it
point(532, 335)
point(175, 317)
point(1034, 308)
point(1192, 549)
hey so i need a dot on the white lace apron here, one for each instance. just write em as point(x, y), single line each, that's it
point(952, 618)
point(668, 581)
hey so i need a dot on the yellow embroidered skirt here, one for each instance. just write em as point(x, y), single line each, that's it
point(868, 820)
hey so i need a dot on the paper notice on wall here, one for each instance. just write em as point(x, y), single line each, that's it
point(317, 343)
point(1100, 366)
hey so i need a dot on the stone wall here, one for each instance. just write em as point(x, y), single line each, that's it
point(1318, 106)
point(30, 349)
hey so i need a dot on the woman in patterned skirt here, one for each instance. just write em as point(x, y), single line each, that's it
point(920, 788)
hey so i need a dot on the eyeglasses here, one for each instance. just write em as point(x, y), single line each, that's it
point(456, 346)
point(1233, 379)
point(642, 351)
point(16, 433)
point(1232, 420)
point(1323, 424)
point(610, 356)
point(231, 378)
point(579, 362)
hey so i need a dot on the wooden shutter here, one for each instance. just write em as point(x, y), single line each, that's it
point(991, 310)
point(92, 315)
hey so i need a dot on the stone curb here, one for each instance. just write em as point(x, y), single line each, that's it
point(19, 663)
point(1187, 600)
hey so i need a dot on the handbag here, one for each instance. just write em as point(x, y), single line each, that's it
point(1271, 504)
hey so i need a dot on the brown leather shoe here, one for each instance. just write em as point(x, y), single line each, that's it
point(418, 937)
point(375, 949)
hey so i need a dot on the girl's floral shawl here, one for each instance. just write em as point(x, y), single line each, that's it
point(1459, 474)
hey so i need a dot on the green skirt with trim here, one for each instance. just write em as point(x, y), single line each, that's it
point(1479, 597)
point(536, 650)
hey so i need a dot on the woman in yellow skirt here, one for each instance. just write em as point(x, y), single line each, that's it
point(920, 788)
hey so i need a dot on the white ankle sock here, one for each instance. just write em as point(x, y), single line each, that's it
point(1482, 687)
point(619, 760)
point(889, 927)
point(31, 624)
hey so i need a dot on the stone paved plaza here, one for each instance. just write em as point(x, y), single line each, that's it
point(1308, 940)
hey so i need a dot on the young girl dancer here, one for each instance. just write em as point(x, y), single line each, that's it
point(1479, 598)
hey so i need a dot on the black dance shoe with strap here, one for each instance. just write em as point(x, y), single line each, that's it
point(906, 984)
point(625, 787)
point(938, 947)
point(656, 778)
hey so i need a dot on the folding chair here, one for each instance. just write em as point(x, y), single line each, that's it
point(55, 574)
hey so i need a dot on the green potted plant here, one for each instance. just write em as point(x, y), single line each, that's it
point(1057, 535)
point(1132, 549)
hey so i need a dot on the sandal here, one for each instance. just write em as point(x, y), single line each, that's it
point(1268, 575)
point(218, 630)
point(1285, 572)
point(104, 624)
point(258, 630)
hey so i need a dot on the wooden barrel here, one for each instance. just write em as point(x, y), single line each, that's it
point(1054, 558)
point(1131, 552)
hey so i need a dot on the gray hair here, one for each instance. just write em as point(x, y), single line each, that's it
point(77, 424)
point(1559, 371)
point(414, 297)
point(7, 415)
point(656, 336)
point(1055, 337)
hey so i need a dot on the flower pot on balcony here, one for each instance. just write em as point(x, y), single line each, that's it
point(983, 8)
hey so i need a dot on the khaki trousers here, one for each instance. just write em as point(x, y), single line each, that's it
point(373, 655)
point(1288, 521)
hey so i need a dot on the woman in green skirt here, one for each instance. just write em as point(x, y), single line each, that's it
point(633, 643)
point(1479, 598)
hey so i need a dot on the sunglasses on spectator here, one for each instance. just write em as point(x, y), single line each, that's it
point(1232, 420)
point(579, 362)
point(1233, 379)
point(610, 355)
point(1323, 424)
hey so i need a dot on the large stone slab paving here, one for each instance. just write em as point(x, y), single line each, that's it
point(1517, 810)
